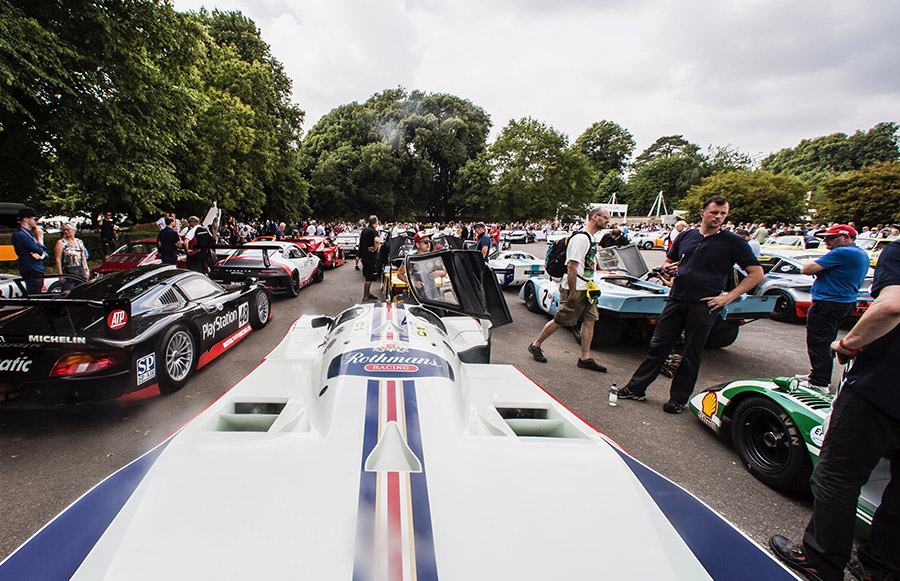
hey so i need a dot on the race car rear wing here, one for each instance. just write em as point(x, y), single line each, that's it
point(265, 248)
point(116, 324)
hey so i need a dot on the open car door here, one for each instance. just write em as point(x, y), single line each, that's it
point(457, 282)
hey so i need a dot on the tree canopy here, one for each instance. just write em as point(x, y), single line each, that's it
point(869, 196)
point(753, 196)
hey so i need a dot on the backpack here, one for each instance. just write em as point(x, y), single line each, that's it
point(202, 239)
point(556, 255)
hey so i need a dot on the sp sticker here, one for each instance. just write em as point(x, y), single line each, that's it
point(146, 368)
point(117, 319)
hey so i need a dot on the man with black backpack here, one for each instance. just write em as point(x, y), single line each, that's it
point(198, 242)
point(574, 303)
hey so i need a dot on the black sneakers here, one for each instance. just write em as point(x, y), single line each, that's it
point(626, 393)
point(537, 353)
point(589, 363)
point(673, 407)
point(793, 557)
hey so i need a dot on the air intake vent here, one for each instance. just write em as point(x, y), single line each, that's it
point(169, 298)
point(249, 416)
point(538, 422)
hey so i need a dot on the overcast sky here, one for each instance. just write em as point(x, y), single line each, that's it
point(757, 74)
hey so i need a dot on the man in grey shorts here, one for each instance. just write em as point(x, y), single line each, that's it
point(573, 301)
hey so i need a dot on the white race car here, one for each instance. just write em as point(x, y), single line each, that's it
point(514, 267)
point(377, 444)
point(282, 266)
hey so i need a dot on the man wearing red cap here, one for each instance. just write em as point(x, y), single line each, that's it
point(839, 275)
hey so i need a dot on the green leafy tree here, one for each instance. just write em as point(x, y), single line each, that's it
point(753, 196)
point(535, 173)
point(823, 158)
point(867, 196)
point(607, 146)
point(667, 146)
point(726, 158)
point(673, 175)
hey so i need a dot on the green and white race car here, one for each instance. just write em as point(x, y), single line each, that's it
point(777, 427)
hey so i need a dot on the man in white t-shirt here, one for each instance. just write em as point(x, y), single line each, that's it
point(311, 229)
point(574, 304)
point(678, 229)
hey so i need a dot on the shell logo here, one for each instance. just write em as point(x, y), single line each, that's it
point(117, 319)
point(709, 404)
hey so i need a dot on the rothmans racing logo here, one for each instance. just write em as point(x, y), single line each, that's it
point(372, 363)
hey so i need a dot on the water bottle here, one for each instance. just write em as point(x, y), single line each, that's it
point(613, 394)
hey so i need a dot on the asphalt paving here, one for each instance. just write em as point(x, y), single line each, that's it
point(49, 458)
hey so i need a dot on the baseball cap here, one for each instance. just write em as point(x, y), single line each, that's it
point(27, 213)
point(480, 225)
point(839, 229)
point(421, 235)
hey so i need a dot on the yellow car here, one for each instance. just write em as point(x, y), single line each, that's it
point(873, 247)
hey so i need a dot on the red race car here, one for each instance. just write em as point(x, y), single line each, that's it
point(132, 254)
point(328, 252)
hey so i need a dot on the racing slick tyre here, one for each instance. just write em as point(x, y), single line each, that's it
point(722, 334)
point(607, 332)
point(531, 300)
point(260, 310)
point(770, 444)
point(647, 245)
point(319, 275)
point(785, 309)
point(294, 287)
point(176, 357)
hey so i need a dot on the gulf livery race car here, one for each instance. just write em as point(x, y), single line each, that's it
point(282, 266)
point(777, 427)
point(365, 446)
point(132, 254)
point(142, 329)
point(791, 288)
point(630, 306)
point(513, 267)
point(330, 254)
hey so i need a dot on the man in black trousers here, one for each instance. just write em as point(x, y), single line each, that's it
point(701, 261)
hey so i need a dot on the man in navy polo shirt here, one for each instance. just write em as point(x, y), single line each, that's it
point(701, 261)
point(864, 428)
point(28, 242)
point(839, 275)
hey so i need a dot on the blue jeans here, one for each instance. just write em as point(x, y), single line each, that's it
point(858, 436)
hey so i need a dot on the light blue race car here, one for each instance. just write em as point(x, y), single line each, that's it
point(630, 305)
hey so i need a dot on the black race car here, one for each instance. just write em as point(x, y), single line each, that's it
point(136, 330)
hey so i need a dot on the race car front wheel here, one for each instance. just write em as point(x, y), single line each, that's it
point(178, 354)
point(531, 301)
point(319, 275)
point(260, 311)
point(770, 444)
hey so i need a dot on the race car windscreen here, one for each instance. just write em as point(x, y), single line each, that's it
point(430, 277)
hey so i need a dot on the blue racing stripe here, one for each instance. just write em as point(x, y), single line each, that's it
point(426, 566)
point(716, 544)
point(377, 314)
point(58, 549)
point(365, 514)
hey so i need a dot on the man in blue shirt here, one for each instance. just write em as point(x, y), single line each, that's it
point(28, 242)
point(864, 428)
point(839, 275)
point(484, 241)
